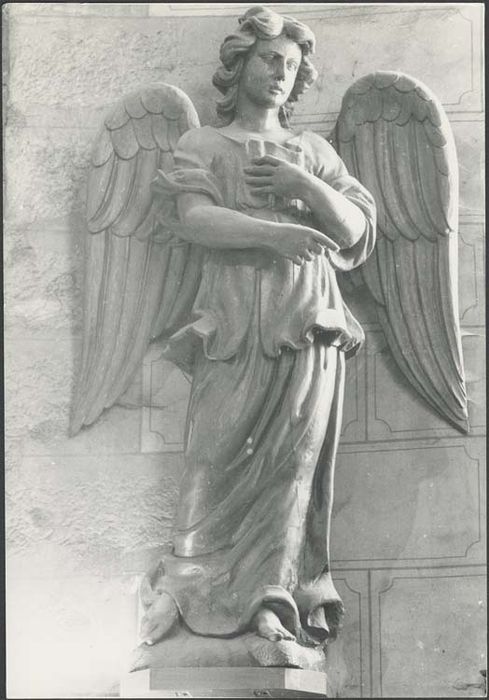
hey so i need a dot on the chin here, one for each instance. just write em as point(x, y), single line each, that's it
point(276, 101)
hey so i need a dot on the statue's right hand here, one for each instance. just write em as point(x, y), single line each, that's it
point(299, 243)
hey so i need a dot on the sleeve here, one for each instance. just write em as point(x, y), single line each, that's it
point(332, 170)
point(191, 173)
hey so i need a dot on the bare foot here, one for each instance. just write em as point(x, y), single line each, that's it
point(159, 619)
point(268, 625)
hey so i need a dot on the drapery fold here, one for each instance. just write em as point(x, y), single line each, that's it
point(266, 345)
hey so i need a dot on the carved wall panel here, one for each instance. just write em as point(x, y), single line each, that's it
point(471, 274)
point(428, 632)
point(440, 35)
point(166, 391)
point(220, 8)
point(354, 418)
point(407, 503)
point(475, 362)
point(469, 141)
point(348, 661)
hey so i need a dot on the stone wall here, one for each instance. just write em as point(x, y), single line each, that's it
point(87, 515)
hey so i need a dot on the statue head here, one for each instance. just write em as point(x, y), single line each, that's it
point(261, 24)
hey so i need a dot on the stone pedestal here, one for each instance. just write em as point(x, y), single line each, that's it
point(187, 650)
point(241, 682)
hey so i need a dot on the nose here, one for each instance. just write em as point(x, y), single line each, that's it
point(279, 72)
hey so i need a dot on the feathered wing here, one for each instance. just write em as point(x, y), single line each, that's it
point(138, 285)
point(394, 136)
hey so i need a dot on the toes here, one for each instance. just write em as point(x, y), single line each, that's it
point(276, 635)
point(289, 637)
point(267, 633)
point(146, 627)
point(153, 633)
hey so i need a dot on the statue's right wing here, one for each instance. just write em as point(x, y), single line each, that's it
point(138, 283)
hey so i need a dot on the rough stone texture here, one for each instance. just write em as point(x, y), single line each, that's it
point(189, 650)
point(79, 505)
point(87, 515)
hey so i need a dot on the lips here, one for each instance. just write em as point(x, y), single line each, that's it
point(275, 90)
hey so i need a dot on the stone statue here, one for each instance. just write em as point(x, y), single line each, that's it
point(225, 242)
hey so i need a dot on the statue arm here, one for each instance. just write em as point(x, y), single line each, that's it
point(327, 190)
point(215, 226)
point(218, 227)
point(334, 212)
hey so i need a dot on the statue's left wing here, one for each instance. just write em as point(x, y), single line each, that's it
point(138, 284)
point(394, 136)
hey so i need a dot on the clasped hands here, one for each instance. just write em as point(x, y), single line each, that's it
point(271, 175)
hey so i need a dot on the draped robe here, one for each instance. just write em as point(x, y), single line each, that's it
point(266, 346)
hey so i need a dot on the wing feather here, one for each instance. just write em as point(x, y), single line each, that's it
point(427, 192)
point(138, 197)
point(395, 138)
point(134, 107)
point(420, 337)
point(186, 292)
point(146, 314)
point(153, 100)
point(95, 264)
point(427, 267)
point(159, 128)
point(400, 219)
point(98, 187)
point(411, 186)
point(174, 279)
point(124, 141)
point(118, 117)
point(108, 317)
point(114, 197)
point(144, 133)
point(173, 134)
point(374, 274)
point(131, 272)
point(132, 300)
point(102, 149)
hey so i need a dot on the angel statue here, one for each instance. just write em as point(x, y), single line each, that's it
point(224, 245)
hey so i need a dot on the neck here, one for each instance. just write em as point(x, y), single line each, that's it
point(253, 117)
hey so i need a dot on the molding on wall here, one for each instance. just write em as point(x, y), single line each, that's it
point(380, 587)
point(371, 585)
point(354, 418)
point(474, 550)
point(357, 583)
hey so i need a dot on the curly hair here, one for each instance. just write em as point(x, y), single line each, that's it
point(261, 23)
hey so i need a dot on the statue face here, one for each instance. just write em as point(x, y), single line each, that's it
point(270, 70)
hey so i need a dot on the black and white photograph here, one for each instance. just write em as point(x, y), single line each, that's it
point(244, 350)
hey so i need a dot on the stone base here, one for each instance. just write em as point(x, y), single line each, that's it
point(223, 682)
point(187, 650)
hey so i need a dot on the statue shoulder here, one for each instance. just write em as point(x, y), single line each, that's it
point(198, 138)
point(327, 162)
point(319, 144)
point(198, 146)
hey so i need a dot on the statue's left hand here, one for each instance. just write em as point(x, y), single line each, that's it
point(271, 175)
